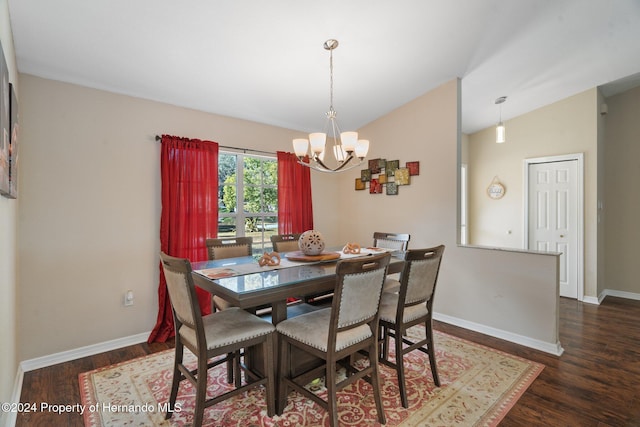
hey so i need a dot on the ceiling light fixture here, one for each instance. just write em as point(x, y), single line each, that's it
point(346, 145)
point(500, 130)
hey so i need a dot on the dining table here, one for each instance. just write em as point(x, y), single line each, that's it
point(244, 283)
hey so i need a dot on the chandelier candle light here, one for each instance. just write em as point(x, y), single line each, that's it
point(346, 147)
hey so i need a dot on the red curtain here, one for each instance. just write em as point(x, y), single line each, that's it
point(295, 212)
point(189, 169)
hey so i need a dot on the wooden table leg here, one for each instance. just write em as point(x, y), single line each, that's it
point(278, 312)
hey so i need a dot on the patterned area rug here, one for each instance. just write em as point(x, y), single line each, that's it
point(478, 387)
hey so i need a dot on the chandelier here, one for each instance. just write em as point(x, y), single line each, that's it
point(345, 145)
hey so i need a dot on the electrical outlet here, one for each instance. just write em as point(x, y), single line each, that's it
point(128, 298)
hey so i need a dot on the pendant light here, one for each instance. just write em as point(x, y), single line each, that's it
point(501, 136)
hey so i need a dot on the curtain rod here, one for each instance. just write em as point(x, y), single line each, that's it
point(244, 150)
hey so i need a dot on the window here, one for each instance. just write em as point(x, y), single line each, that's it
point(250, 182)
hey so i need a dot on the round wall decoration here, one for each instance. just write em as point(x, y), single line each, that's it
point(495, 190)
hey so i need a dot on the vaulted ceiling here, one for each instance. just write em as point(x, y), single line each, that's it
point(264, 60)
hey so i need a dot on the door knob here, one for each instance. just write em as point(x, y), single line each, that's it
point(562, 235)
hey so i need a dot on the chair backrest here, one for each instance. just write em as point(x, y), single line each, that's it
point(229, 247)
point(420, 275)
point(182, 292)
point(395, 241)
point(356, 299)
point(285, 242)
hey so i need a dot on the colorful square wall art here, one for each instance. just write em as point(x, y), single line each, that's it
point(414, 168)
point(374, 166)
point(392, 189)
point(375, 187)
point(385, 176)
point(402, 176)
point(392, 165)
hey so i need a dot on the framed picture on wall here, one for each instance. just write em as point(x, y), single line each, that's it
point(4, 125)
point(13, 143)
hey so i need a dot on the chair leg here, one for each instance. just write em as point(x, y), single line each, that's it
point(432, 353)
point(175, 384)
point(400, 369)
point(332, 401)
point(237, 373)
point(384, 341)
point(201, 390)
point(230, 368)
point(375, 383)
point(284, 371)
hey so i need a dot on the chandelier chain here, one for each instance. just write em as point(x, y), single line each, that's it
point(331, 80)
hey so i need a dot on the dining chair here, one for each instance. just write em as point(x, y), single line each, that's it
point(214, 339)
point(396, 242)
point(411, 305)
point(227, 247)
point(285, 242)
point(222, 248)
point(334, 334)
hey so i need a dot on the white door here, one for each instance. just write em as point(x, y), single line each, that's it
point(553, 217)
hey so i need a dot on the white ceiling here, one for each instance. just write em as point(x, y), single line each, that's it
point(264, 61)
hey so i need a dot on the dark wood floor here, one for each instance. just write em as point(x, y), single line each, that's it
point(596, 382)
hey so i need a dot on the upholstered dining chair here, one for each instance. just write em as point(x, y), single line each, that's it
point(334, 334)
point(223, 333)
point(411, 305)
point(285, 242)
point(395, 242)
point(227, 247)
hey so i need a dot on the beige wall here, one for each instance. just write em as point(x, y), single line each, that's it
point(508, 294)
point(621, 208)
point(8, 215)
point(566, 127)
point(90, 203)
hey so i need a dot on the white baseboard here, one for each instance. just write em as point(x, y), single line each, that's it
point(11, 417)
point(620, 294)
point(64, 356)
point(90, 350)
point(555, 349)
point(592, 300)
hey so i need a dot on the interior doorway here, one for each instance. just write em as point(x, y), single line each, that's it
point(554, 215)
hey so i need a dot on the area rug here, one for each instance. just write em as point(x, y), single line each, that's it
point(478, 387)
